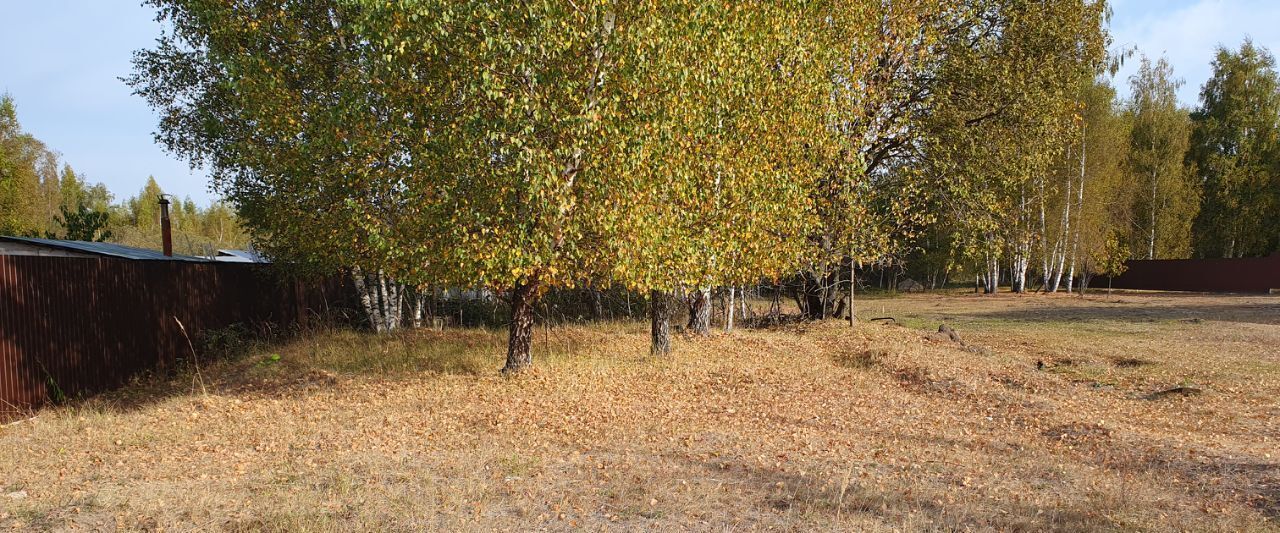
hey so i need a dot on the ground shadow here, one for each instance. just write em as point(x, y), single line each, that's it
point(1247, 309)
point(306, 362)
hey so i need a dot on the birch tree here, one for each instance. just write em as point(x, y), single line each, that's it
point(1098, 203)
point(882, 60)
point(708, 193)
point(1086, 196)
point(272, 98)
point(477, 143)
point(1235, 155)
point(1006, 119)
point(1158, 144)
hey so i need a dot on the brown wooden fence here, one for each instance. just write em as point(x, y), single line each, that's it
point(1252, 275)
point(75, 326)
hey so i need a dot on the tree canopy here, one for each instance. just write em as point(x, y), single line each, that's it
point(679, 145)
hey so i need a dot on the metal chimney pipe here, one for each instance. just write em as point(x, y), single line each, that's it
point(166, 233)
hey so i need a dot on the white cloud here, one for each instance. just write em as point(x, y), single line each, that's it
point(1189, 32)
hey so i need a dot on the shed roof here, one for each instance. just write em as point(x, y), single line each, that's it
point(105, 249)
point(240, 256)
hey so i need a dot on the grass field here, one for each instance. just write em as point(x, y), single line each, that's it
point(1133, 412)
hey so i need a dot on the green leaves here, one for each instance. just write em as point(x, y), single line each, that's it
point(1166, 202)
point(1235, 154)
point(1007, 115)
point(651, 143)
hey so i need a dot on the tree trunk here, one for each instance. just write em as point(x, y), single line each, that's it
point(366, 298)
point(1046, 255)
point(1057, 274)
point(853, 289)
point(659, 323)
point(1071, 274)
point(397, 304)
point(1075, 236)
point(520, 336)
point(381, 299)
point(801, 296)
point(728, 312)
point(388, 302)
point(819, 292)
point(597, 304)
point(1018, 272)
point(700, 311)
point(824, 279)
point(390, 296)
point(1151, 244)
point(1021, 248)
point(383, 307)
point(993, 275)
point(419, 308)
point(814, 302)
point(1060, 249)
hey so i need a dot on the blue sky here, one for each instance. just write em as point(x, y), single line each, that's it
point(61, 60)
point(1187, 33)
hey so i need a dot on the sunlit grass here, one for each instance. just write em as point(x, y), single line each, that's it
point(813, 426)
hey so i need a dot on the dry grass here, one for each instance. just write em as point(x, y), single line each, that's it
point(806, 427)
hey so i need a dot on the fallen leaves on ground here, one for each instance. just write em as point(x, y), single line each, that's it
point(870, 428)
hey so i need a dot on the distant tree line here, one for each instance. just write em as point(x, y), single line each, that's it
point(676, 147)
point(42, 196)
point(1139, 178)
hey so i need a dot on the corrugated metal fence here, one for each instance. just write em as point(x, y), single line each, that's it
point(74, 326)
point(1255, 275)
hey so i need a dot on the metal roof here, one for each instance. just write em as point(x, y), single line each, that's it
point(105, 248)
point(239, 256)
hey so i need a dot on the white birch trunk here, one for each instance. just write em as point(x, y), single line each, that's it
point(367, 300)
point(1064, 235)
point(1046, 257)
point(383, 307)
point(1151, 242)
point(1019, 274)
point(395, 304)
point(419, 306)
point(1075, 235)
point(728, 309)
point(1071, 272)
point(1022, 248)
point(992, 276)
